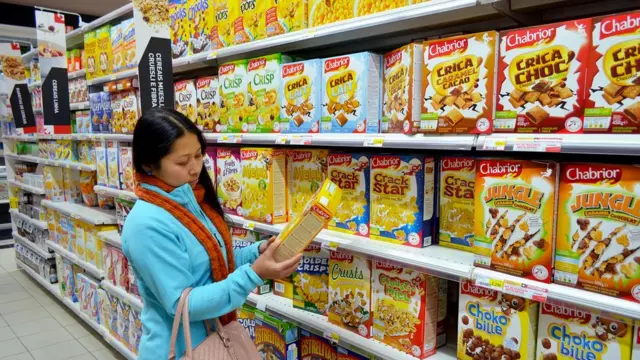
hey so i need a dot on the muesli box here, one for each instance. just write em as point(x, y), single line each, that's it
point(234, 97)
point(264, 92)
point(350, 171)
point(402, 90)
point(457, 189)
point(229, 180)
point(264, 185)
point(301, 101)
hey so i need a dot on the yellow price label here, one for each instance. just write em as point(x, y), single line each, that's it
point(212, 55)
point(376, 141)
point(249, 225)
point(495, 283)
point(332, 336)
point(331, 245)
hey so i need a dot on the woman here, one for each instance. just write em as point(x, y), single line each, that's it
point(175, 237)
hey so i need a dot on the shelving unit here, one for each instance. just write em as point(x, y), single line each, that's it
point(113, 77)
point(90, 268)
point(91, 215)
point(61, 163)
point(122, 295)
point(79, 106)
point(107, 191)
point(37, 223)
point(35, 248)
point(25, 187)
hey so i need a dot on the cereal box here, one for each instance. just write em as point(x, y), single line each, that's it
point(210, 163)
point(515, 203)
point(95, 103)
point(275, 339)
point(101, 162)
point(311, 280)
point(457, 187)
point(314, 347)
point(123, 208)
point(246, 317)
point(349, 354)
point(186, 98)
point(264, 86)
point(105, 123)
point(405, 309)
point(613, 85)
point(283, 287)
point(284, 16)
point(91, 54)
point(113, 160)
point(307, 169)
point(72, 192)
point(352, 93)
point(103, 43)
point(222, 30)
point(568, 333)
point(441, 330)
point(180, 28)
point(129, 43)
point(126, 171)
point(459, 84)
point(242, 237)
point(403, 200)
point(234, 96)
point(264, 185)
point(402, 90)
point(229, 179)
point(301, 96)
point(350, 171)
point(635, 354)
point(542, 78)
point(598, 233)
point(87, 183)
point(208, 104)
point(350, 292)
point(322, 12)
point(53, 183)
point(200, 15)
point(116, 48)
point(248, 18)
point(490, 321)
point(130, 111)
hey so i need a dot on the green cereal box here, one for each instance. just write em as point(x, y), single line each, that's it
point(275, 339)
point(234, 97)
point(264, 89)
point(247, 318)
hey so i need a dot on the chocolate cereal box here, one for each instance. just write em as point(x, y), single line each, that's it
point(307, 169)
point(457, 189)
point(350, 292)
point(264, 185)
point(613, 92)
point(201, 17)
point(311, 280)
point(234, 97)
point(180, 28)
point(314, 347)
point(490, 322)
point(350, 171)
point(459, 81)
point(264, 91)
point(568, 333)
point(229, 180)
point(351, 93)
point(402, 88)
point(542, 78)
point(598, 234)
point(208, 104)
point(275, 339)
point(186, 98)
point(301, 101)
point(515, 203)
point(405, 309)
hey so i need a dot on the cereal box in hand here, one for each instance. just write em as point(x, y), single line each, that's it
point(402, 90)
point(542, 78)
point(301, 96)
point(515, 204)
point(306, 170)
point(405, 309)
point(180, 28)
point(186, 98)
point(234, 96)
point(201, 16)
point(229, 180)
point(350, 171)
point(613, 84)
point(208, 104)
point(314, 347)
point(285, 16)
point(274, 338)
point(457, 188)
point(311, 280)
point(248, 18)
point(598, 238)
point(264, 185)
point(264, 93)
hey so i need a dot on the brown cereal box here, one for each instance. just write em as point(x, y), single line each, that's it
point(458, 82)
point(186, 98)
point(613, 92)
point(402, 89)
point(514, 227)
point(208, 104)
point(314, 347)
point(542, 78)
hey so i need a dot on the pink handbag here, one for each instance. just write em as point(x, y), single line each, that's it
point(229, 342)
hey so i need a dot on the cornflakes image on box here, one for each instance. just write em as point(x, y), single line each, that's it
point(350, 171)
point(542, 78)
point(248, 20)
point(515, 204)
point(457, 188)
point(405, 309)
point(285, 16)
point(311, 280)
point(186, 98)
point(208, 103)
point(613, 84)
point(263, 185)
point(180, 28)
point(306, 170)
point(222, 30)
point(201, 16)
point(350, 292)
point(229, 179)
point(598, 238)
point(301, 96)
point(459, 81)
point(234, 97)
point(275, 339)
point(352, 93)
point(263, 87)
point(490, 321)
point(402, 89)
point(314, 347)
point(323, 12)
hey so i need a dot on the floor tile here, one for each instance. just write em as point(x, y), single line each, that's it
point(45, 338)
point(26, 315)
point(21, 276)
point(21, 356)
point(14, 296)
point(93, 343)
point(11, 347)
point(83, 357)
point(6, 334)
point(59, 351)
point(3, 272)
point(2, 322)
point(61, 314)
point(19, 305)
point(79, 330)
point(10, 288)
point(7, 280)
point(46, 299)
point(35, 326)
point(107, 354)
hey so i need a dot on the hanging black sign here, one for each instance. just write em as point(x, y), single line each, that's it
point(21, 108)
point(55, 100)
point(155, 73)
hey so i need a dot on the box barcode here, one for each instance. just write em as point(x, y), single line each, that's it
point(279, 287)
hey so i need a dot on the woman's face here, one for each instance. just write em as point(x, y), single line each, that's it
point(183, 163)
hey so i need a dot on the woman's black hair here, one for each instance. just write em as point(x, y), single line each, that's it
point(155, 133)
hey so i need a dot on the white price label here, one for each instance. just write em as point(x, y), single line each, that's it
point(331, 245)
point(212, 55)
point(374, 141)
point(249, 225)
point(281, 140)
point(494, 143)
point(538, 144)
point(331, 336)
point(230, 139)
point(301, 140)
point(532, 292)
point(261, 305)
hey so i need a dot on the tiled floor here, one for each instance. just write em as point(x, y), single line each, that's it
point(35, 325)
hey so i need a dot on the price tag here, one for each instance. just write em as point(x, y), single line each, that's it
point(538, 144)
point(113, 77)
point(261, 305)
point(494, 143)
point(13, 202)
point(249, 225)
point(331, 336)
point(331, 245)
point(489, 282)
point(375, 141)
point(281, 140)
point(309, 35)
point(532, 292)
point(231, 139)
point(301, 140)
point(212, 55)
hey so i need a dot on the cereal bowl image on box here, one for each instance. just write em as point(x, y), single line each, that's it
point(350, 171)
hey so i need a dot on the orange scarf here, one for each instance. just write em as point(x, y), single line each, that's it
point(219, 269)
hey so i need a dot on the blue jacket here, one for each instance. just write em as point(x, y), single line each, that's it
point(167, 258)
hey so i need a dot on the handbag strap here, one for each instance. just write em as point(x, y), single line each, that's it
point(184, 298)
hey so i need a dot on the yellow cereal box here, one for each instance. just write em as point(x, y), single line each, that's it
point(323, 12)
point(180, 28)
point(94, 253)
point(569, 333)
point(350, 292)
point(53, 183)
point(264, 89)
point(264, 185)
point(234, 97)
point(129, 43)
point(402, 90)
point(598, 229)
point(222, 31)
point(284, 16)
point(72, 192)
point(201, 16)
point(405, 309)
point(116, 48)
point(306, 170)
point(350, 171)
point(311, 280)
point(229, 180)
point(515, 203)
point(91, 54)
point(101, 162)
point(367, 7)
point(103, 43)
point(457, 186)
point(79, 245)
point(489, 321)
point(113, 163)
point(248, 20)
point(283, 287)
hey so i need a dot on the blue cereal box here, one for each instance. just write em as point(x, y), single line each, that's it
point(314, 347)
point(301, 96)
point(403, 200)
point(352, 93)
point(275, 339)
point(350, 171)
point(95, 103)
point(105, 123)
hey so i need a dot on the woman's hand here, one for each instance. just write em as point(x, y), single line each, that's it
point(268, 268)
point(265, 244)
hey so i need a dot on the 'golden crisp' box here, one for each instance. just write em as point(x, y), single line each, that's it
point(263, 185)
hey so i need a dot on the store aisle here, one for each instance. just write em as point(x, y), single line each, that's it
point(35, 325)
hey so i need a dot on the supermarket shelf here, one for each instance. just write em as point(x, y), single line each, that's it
point(91, 215)
point(77, 74)
point(116, 137)
point(122, 194)
point(2, 202)
point(79, 106)
point(25, 187)
point(113, 77)
point(26, 57)
point(111, 237)
point(62, 163)
point(118, 345)
point(22, 240)
point(35, 84)
point(91, 269)
point(7, 242)
point(37, 223)
point(23, 138)
point(608, 144)
point(75, 37)
point(123, 295)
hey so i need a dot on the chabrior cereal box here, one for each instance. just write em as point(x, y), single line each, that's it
point(180, 28)
point(248, 18)
point(275, 339)
point(350, 171)
point(598, 229)
point(490, 321)
point(186, 98)
point(405, 309)
point(314, 347)
point(263, 88)
point(613, 92)
point(264, 185)
point(208, 103)
point(568, 333)
point(229, 180)
point(457, 188)
point(311, 280)
point(352, 93)
point(350, 292)
point(515, 202)
point(307, 169)
point(285, 16)
point(403, 200)
point(201, 16)
point(301, 101)
point(222, 30)
point(542, 78)
point(402, 90)
point(234, 97)
point(242, 237)
point(459, 82)
point(324, 12)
